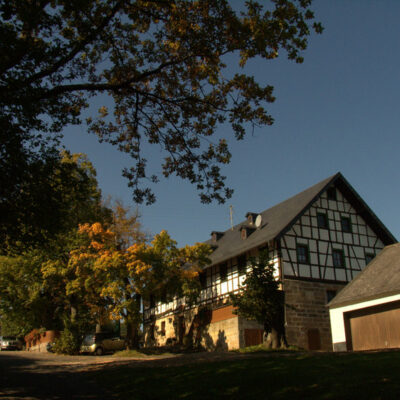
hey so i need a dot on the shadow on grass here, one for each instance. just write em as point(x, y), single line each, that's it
point(257, 376)
point(303, 376)
point(22, 378)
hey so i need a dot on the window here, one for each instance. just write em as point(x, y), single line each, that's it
point(242, 264)
point(369, 257)
point(322, 221)
point(203, 279)
point(330, 294)
point(338, 258)
point(162, 328)
point(331, 193)
point(346, 224)
point(223, 272)
point(302, 254)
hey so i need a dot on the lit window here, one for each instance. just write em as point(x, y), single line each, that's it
point(322, 221)
point(338, 258)
point(346, 224)
point(302, 254)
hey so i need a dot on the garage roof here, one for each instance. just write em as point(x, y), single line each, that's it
point(381, 278)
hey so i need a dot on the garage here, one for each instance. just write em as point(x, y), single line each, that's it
point(374, 327)
point(365, 315)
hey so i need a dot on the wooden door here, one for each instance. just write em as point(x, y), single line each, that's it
point(314, 339)
point(253, 337)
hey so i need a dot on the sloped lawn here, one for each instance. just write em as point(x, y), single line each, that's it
point(262, 376)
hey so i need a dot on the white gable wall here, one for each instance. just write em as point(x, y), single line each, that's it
point(321, 242)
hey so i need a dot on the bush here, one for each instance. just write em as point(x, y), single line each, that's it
point(67, 343)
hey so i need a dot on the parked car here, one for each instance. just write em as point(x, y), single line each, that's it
point(10, 343)
point(102, 342)
point(50, 347)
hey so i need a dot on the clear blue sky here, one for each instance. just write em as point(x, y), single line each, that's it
point(338, 111)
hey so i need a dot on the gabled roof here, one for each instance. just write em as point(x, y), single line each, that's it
point(277, 220)
point(381, 278)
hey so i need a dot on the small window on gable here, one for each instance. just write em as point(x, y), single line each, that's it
point(369, 257)
point(302, 254)
point(223, 272)
point(331, 193)
point(346, 224)
point(322, 221)
point(330, 294)
point(242, 264)
point(338, 258)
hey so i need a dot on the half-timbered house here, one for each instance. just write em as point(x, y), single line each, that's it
point(318, 240)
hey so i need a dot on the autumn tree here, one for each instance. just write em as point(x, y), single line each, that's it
point(126, 225)
point(162, 63)
point(260, 299)
point(111, 281)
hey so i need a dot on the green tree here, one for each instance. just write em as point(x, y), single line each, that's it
point(53, 195)
point(163, 63)
point(38, 230)
point(260, 299)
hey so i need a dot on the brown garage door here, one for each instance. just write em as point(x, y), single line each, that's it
point(374, 327)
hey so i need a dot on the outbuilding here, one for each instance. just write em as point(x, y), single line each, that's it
point(365, 315)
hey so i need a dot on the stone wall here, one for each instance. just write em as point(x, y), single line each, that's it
point(306, 314)
point(221, 333)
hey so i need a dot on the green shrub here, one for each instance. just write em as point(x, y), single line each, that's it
point(67, 343)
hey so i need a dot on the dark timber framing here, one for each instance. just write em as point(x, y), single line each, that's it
point(294, 223)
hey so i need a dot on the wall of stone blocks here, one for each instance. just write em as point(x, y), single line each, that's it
point(306, 312)
point(246, 324)
point(222, 335)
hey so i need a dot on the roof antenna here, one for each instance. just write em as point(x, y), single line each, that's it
point(231, 215)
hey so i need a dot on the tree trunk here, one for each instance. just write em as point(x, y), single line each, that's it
point(73, 314)
point(276, 338)
point(132, 336)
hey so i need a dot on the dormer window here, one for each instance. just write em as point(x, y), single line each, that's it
point(245, 232)
point(215, 236)
point(251, 218)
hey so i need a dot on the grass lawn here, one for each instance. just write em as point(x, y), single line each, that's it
point(263, 376)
